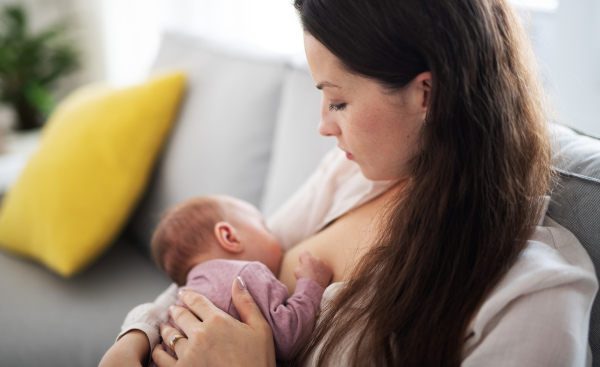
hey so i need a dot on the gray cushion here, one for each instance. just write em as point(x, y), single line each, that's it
point(297, 147)
point(575, 202)
point(221, 142)
point(51, 321)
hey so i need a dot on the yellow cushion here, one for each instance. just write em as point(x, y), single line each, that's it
point(96, 154)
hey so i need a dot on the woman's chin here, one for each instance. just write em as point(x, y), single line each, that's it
point(370, 175)
point(375, 175)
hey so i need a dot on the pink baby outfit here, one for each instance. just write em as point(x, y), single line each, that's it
point(287, 315)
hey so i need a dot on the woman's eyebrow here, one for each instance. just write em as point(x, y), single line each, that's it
point(327, 84)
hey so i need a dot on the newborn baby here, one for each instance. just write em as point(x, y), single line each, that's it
point(204, 243)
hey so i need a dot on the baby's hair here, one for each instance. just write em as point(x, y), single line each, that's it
point(184, 232)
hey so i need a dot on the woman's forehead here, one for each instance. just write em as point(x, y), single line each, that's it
point(325, 68)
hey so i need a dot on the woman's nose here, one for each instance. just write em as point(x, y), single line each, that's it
point(328, 125)
point(325, 128)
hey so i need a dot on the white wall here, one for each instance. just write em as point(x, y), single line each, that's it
point(566, 39)
point(119, 39)
point(576, 64)
point(131, 31)
point(133, 28)
point(91, 40)
point(84, 31)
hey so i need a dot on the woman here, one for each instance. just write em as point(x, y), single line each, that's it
point(432, 216)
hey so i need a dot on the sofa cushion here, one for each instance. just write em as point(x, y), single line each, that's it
point(221, 143)
point(297, 146)
point(52, 322)
point(575, 201)
point(78, 190)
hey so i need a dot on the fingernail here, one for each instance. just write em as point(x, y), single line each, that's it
point(171, 308)
point(180, 293)
point(241, 285)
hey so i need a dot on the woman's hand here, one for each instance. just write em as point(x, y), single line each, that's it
point(217, 339)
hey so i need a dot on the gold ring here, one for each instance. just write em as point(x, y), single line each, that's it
point(173, 339)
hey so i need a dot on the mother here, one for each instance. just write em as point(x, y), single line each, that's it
point(433, 216)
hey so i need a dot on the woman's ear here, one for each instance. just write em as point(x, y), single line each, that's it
point(424, 85)
point(228, 238)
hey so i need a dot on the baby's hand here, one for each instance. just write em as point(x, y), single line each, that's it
point(313, 268)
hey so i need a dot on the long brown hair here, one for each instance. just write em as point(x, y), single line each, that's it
point(473, 195)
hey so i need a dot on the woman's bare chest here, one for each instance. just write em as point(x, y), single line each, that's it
point(341, 244)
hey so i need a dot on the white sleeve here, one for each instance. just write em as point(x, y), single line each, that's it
point(545, 328)
point(148, 317)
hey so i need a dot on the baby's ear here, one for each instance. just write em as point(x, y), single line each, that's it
point(228, 238)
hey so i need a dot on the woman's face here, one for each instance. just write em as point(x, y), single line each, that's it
point(377, 129)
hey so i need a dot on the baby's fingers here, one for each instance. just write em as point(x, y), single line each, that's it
point(306, 256)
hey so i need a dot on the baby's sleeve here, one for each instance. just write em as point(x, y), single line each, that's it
point(291, 318)
point(148, 317)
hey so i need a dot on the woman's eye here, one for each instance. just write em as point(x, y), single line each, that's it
point(336, 107)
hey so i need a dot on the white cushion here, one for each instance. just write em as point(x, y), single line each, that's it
point(222, 140)
point(298, 147)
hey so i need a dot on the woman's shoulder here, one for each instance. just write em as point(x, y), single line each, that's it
point(552, 258)
point(552, 250)
point(564, 242)
point(553, 262)
point(552, 255)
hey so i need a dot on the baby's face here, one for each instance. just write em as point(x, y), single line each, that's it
point(259, 243)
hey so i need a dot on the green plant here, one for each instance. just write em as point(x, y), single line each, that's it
point(30, 66)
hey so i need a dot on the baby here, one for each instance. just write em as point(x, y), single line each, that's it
point(204, 243)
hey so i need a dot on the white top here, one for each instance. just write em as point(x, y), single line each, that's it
point(538, 315)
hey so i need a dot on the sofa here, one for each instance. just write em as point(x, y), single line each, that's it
point(247, 128)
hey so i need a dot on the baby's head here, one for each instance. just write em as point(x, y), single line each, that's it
point(212, 227)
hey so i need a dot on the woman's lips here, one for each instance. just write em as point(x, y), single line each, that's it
point(348, 155)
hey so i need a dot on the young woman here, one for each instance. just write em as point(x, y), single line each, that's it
point(432, 211)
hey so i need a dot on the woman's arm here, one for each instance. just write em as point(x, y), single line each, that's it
point(544, 328)
point(539, 314)
point(218, 339)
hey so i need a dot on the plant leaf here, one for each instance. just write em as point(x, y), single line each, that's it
point(40, 98)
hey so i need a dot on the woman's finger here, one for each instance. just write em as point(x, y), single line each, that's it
point(162, 358)
point(219, 339)
point(246, 307)
point(201, 307)
point(168, 333)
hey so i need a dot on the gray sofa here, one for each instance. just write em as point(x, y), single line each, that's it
point(247, 128)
